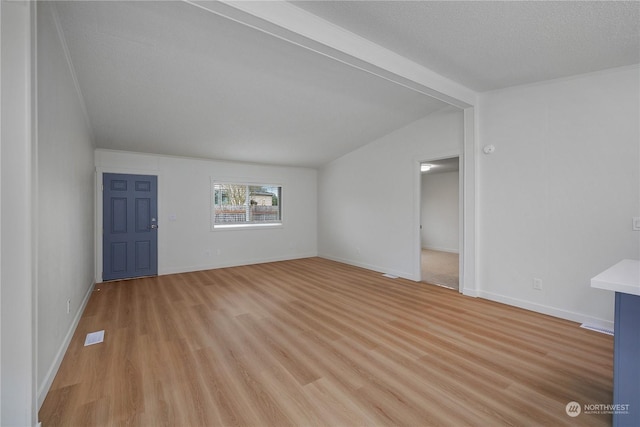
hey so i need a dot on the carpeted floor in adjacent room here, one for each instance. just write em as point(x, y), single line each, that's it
point(440, 268)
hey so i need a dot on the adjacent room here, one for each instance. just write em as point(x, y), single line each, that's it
point(235, 213)
point(440, 222)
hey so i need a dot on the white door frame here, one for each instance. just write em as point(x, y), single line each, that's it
point(100, 171)
point(460, 210)
point(467, 194)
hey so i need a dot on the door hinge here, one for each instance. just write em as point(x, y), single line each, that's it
point(102, 187)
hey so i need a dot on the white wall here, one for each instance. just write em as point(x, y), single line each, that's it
point(65, 203)
point(184, 186)
point(368, 200)
point(440, 211)
point(17, 293)
point(557, 197)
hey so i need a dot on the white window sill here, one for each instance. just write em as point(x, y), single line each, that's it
point(224, 227)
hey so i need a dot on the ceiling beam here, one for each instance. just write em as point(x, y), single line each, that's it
point(294, 25)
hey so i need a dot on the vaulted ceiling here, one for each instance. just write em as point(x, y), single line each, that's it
point(177, 78)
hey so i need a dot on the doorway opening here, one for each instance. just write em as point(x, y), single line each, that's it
point(440, 222)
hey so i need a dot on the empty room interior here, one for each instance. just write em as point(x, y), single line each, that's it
point(219, 213)
point(440, 222)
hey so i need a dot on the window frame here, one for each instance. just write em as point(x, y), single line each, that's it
point(243, 225)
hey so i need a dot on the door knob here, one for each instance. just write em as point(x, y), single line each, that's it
point(154, 226)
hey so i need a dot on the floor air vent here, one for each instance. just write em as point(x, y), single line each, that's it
point(94, 338)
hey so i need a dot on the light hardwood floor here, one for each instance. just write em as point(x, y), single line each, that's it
point(317, 343)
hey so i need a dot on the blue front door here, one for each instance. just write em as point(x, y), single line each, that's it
point(130, 226)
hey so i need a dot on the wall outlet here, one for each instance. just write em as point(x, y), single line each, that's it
point(68, 306)
point(537, 284)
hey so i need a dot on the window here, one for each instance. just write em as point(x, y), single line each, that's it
point(241, 205)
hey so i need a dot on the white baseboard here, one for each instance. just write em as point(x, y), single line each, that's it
point(192, 268)
point(43, 389)
point(470, 292)
point(439, 249)
point(544, 309)
point(379, 269)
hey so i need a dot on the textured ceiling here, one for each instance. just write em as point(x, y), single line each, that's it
point(487, 45)
point(170, 78)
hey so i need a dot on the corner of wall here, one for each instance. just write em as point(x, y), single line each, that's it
point(45, 384)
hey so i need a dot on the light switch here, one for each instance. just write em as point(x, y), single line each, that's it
point(636, 223)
